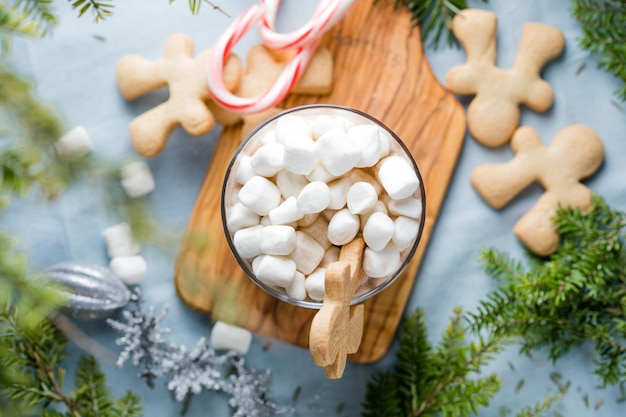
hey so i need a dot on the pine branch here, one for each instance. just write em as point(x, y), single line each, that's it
point(434, 17)
point(603, 23)
point(577, 295)
point(33, 18)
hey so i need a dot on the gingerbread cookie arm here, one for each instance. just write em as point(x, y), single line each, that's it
point(137, 76)
point(149, 131)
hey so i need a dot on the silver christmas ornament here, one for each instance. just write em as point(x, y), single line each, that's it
point(92, 291)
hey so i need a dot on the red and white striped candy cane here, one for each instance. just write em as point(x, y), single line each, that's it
point(304, 40)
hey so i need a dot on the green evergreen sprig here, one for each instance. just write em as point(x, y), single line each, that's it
point(577, 295)
point(426, 381)
point(37, 353)
point(31, 18)
point(603, 23)
point(434, 17)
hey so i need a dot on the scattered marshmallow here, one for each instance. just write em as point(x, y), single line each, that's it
point(406, 230)
point(286, 212)
point(137, 179)
point(409, 207)
point(300, 154)
point(367, 137)
point(229, 337)
point(240, 216)
point(379, 264)
point(314, 284)
point(131, 269)
point(313, 198)
point(248, 241)
point(289, 125)
point(278, 240)
point(260, 195)
point(398, 177)
point(74, 144)
point(120, 241)
point(378, 231)
point(337, 151)
point(308, 253)
point(274, 270)
point(244, 170)
point(296, 288)
point(343, 227)
point(361, 198)
point(268, 159)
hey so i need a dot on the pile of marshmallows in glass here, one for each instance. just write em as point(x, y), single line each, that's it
point(300, 189)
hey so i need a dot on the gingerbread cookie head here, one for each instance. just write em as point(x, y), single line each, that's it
point(494, 114)
point(576, 152)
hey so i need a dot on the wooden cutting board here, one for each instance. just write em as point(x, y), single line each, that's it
point(380, 68)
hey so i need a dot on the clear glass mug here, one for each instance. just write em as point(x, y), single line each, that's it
point(259, 137)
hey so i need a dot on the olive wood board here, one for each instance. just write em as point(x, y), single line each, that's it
point(379, 68)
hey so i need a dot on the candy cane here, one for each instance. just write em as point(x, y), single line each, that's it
point(304, 40)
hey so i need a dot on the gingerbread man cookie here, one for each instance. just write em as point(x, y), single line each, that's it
point(337, 329)
point(187, 103)
point(576, 152)
point(494, 114)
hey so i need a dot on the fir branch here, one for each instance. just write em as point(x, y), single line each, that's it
point(603, 23)
point(575, 296)
point(101, 9)
point(434, 17)
point(447, 380)
point(33, 18)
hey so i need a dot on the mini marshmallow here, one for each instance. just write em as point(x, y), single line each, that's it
point(343, 227)
point(361, 175)
point(248, 241)
point(308, 253)
point(409, 207)
point(229, 337)
point(268, 137)
point(265, 221)
point(397, 177)
point(318, 230)
point(368, 138)
point(131, 269)
point(274, 270)
point(378, 231)
point(268, 159)
point(320, 173)
point(137, 179)
point(289, 125)
point(120, 241)
point(240, 216)
point(74, 144)
point(300, 154)
point(260, 195)
point(296, 288)
point(380, 207)
point(331, 255)
point(406, 230)
point(361, 198)
point(244, 169)
point(313, 198)
point(323, 123)
point(379, 264)
point(278, 240)
point(290, 184)
point(385, 143)
point(337, 152)
point(286, 212)
point(314, 284)
point(339, 193)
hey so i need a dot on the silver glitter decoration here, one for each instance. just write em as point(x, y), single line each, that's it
point(92, 292)
point(189, 372)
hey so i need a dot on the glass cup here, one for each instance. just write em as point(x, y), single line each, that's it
point(346, 117)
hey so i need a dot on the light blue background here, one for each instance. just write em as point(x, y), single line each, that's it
point(74, 70)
